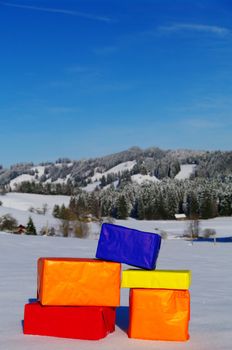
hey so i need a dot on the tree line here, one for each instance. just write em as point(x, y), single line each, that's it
point(198, 198)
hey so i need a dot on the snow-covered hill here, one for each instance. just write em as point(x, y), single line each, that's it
point(211, 302)
point(21, 178)
point(120, 168)
point(153, 163)
point(39, 174)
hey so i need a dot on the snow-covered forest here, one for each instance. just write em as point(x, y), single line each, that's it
point(200, 198)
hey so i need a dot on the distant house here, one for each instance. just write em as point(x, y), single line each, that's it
point(180, 217)
point(20, 229)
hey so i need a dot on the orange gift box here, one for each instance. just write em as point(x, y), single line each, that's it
point(159, 314)
point(76, 282)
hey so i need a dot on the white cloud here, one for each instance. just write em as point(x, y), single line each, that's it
point(59, 11)
point(203, 28)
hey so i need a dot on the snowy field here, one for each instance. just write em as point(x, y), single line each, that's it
point(211, 297)
point(23, 201)
point(18, 205)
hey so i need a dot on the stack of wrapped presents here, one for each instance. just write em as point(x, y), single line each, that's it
point(77, 297)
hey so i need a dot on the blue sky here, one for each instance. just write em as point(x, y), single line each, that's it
point(87, 78)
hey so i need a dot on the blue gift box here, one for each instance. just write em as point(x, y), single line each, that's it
point(129, 246)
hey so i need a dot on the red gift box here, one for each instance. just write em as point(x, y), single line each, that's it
point(79, 322)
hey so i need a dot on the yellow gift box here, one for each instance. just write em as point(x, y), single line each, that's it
point(162, 279)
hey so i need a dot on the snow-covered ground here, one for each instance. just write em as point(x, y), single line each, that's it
point(211, 297)
point(174, 228)
point(18, 205)
point(59, 180)
point(23, 201)
point(139, 178)
point(91, 187)
point(211, 300)
point(186, 170)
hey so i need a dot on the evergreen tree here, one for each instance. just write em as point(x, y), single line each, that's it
point(192, 206)
point(122, 208)
point(82, 205)
point(207, 205)
point(94, 204)
point(143, 170)
point(72, 204)
point(160, 211)
point(63, 212)
point(171, 204)
point(103, 181)
point(134, 210)
point(225, 206)
point(141, 209)
point(30, 228)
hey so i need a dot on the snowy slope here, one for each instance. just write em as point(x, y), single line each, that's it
point(186, 170)
point(59, 180)
point(21, 178)
point(139, 178)
point(115, 170)
point(91, 187)
point(211, 302)
point(95, 180)
point(39, 171)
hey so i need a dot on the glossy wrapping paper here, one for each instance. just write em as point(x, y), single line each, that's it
point(162, 279)
point(159, 314)
point(129, 246)
point(80, 322)
point(75, 282)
